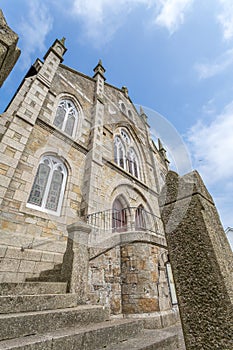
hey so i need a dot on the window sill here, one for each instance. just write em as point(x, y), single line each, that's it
point(43, 210)
point(28, 210)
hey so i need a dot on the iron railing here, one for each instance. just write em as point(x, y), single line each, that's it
point(125, 220)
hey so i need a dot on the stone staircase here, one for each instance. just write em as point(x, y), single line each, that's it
point(53, 275)
point(42, 316)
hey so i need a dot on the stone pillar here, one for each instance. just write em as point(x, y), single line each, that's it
point(92, 201)
point(139, 268)
point(76, 260)
point(201, 261)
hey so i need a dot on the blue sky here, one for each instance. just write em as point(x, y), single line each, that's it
point(175, 57)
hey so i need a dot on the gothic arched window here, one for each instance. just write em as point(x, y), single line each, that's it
point(125, 155)
point(119, 152)
point(123, 108)
point(49, 185)
point(125, 136)
point(66, 117)
point(132, 162)
point(130, 114)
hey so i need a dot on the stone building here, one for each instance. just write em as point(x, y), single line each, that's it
point(74, 147)
point(9, 52)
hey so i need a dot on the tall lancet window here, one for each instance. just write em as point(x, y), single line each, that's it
point(49, 186)
point(66, 117)
point(125, 155)
point(119, 152)
point(132, 162)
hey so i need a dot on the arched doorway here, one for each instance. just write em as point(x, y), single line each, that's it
point(119, 216)
point(140, 218)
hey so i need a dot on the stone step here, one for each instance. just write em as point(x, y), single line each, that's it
point(32, 288)
point(53, 275)
point(26, 303)
point(50, 277)
point(157, 339)
point(54, 272)
point(90, 337)
point(56, 269)
point(28, 323)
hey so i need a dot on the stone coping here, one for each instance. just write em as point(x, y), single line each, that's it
point(104, 243)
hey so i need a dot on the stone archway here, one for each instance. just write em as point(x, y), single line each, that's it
point(119, 216)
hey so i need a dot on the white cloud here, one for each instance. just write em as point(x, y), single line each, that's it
point(212, 146)
point(102, 18)
point(225, 18)
point(209, 107)
point(33, 30)
point(172, 13)
point(221, 63)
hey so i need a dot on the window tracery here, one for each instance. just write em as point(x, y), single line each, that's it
point(125, 136)
point(125, 155)
point(132, 162)
point(66, 117)
point(49, 185)
point(119, 152)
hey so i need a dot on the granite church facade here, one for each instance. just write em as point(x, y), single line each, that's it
point(74, 147)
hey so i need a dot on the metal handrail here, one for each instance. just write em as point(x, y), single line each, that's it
point(124, 220)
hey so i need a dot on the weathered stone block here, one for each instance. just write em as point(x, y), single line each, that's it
point(26, 303)
point(17, 253)
point(9, 265)
point(3, 168)
point(76, 259)
point(148, 305)
point(2, 251)
point(43, 321)
point(32, 288)
point(27, 266)
point(9, 277)
point(58, 258)
point(47, 257)
point(42, 266)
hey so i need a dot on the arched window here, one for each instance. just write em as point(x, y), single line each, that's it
point(122, 147)
point(130, 114)
point(119, 152)
point(49, 185)
point(140, 218)
point(66, 117)
point(125, 136)
point(123, 108)
point(119, 218)
point(132, 162)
